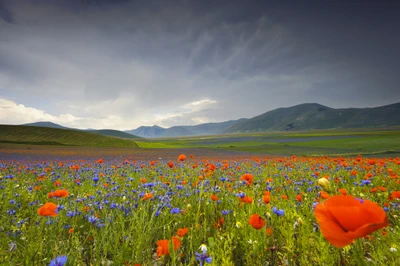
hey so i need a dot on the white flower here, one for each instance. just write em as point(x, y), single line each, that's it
point(392, 249)
point(238, 224)
point(203, 248)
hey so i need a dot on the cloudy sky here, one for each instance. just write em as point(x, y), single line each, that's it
point(123, 64)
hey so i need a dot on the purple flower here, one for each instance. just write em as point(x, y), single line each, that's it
point(175, 210)
point(59, 261)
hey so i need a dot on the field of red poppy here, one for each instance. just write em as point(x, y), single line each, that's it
point(213, 209)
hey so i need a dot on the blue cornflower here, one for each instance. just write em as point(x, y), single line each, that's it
point(203, 257)
point(279, 212)
point(225, 212)
point(59, 261)
point(175, 210)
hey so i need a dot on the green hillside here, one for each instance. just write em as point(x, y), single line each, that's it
point(54, 136)
point(113, 133)
point(313, 116)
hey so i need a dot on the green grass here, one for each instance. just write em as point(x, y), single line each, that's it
point(129, 227)
point(54, 136)
point(337, 142)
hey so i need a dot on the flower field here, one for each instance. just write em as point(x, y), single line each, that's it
point(189, 211)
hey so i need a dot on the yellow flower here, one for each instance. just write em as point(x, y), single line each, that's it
point(323, 182)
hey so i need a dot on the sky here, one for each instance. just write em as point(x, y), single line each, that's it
point(124, 64)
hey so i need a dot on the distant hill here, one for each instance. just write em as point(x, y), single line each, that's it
point(307, 116)
point(315, 116)
point(104, 132)
point(180, 131)
point(45, 124)
point(113, 133)
point(56, 136)
point(147, 132)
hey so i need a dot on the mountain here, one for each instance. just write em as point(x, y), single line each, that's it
point(180, 131)
point(55, 136)
point(147, 132)
point(45, 124)
point(113, 133)
point(310, 116)
point(104, 132)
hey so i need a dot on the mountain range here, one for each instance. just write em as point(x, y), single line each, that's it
point(308, 116)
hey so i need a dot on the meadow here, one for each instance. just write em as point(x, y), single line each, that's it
point(199, 210)
point(375, 142)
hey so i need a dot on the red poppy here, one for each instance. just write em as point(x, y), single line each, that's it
point(248, 178)
point(182, 157)
point(256, 221)
point(343, 191)
point(324, 194)
point(170, 164)
point(299, 198)
point(147, 196)
point(344, 218)
point(396, 194)
point(182, 231)
point(62, 193)
point(214, 197)
point(48, 209)
point(162, 246)
point(100, 161)
point(266, 199)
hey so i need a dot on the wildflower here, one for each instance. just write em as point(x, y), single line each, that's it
point(266, 198)
point(279, 212)
point(62, 193)
point(175, 210)
point(182, 231)
point(59, 261)
point(203, 248)
point(203, 257)
point(343, 191)
point(268, 231)
point(162, 246)
point(100, 161)
point(323, 182)
point(48, 209)
point(300, 198)
point(182, 157)
point(396, 194)
point(248, 178)
point(324, 195)
point(238, 225)
point(344, 218)
point(256, 221)
point(214, 197)
point(147, 196)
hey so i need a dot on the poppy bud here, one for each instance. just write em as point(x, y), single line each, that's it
point(323, 182)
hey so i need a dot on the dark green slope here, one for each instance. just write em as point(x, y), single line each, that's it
point(113, 133)
point(315, 116)
point(54, 136)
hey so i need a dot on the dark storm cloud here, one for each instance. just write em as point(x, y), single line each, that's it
point(6, 14)
point(182, 62)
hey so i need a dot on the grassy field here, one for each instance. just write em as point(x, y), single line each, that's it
point(60, 137)
point(376, 142)
point(328, 142)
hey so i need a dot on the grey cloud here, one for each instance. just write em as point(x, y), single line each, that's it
point(6, 14)
point(140, 59)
